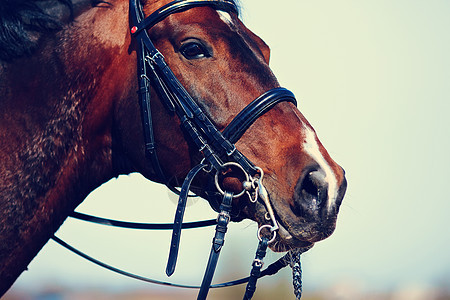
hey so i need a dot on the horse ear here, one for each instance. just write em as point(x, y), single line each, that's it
point(265, 49)
point(262, 46)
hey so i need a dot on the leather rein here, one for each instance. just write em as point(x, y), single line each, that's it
point(218, 150)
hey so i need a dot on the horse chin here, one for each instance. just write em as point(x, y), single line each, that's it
point(286, 242)
point(295, 233)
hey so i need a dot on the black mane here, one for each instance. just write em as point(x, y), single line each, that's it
point(23, 21)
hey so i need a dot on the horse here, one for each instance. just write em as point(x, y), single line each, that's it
point(71, 119)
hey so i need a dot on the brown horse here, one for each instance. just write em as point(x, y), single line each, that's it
point(70, 119)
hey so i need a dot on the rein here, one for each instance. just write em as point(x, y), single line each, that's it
point(292, 259)
point(220, 155)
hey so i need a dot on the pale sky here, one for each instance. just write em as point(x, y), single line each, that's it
point(373, 78)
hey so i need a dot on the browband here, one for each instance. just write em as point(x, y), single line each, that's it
point(179, 6)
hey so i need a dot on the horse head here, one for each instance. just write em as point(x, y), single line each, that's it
point(225, 66)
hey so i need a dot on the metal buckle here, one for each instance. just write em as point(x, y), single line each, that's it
point(154, 56)
point(145, 77)
point(208, 167)
point(229, 153)
point(225, 215)
point(258, 263)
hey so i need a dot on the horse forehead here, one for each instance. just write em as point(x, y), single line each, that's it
point(205, 15)
point(207, 22)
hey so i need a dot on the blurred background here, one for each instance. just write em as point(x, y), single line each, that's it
point(373, 78)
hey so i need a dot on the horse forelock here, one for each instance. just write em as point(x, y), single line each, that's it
point(22, 22)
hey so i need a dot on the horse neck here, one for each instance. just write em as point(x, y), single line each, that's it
point(56, 105)
point(42, 121)
point(55, 139)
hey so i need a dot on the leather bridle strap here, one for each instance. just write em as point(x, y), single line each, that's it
point(142, 226)
point(219, 238)
point(179, 6)
point(239, 125)
point(272, 269)
point(178, 223)
point(255, 273)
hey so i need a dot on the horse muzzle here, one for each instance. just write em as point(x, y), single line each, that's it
point(311, 214)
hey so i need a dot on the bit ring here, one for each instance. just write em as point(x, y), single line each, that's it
point(271, 230)
point(216, 179)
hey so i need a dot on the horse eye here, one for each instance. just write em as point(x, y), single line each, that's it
point(194, 50)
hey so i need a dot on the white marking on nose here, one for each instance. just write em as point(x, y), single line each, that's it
point(312, 148)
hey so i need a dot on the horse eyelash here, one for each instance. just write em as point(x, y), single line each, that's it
point(98, 3)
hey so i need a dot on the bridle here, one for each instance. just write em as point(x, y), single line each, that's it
point(215, 146)
point(218, 149)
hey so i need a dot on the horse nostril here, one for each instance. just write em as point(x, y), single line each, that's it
point(312, 191)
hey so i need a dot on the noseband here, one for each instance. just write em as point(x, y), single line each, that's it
point(217, 148)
